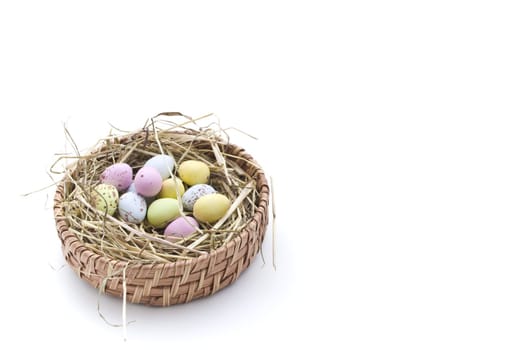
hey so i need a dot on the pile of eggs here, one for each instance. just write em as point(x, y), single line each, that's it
point(156, 195)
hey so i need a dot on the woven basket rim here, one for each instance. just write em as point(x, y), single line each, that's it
point(261, 184)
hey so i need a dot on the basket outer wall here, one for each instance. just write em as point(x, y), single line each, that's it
point(164, 284)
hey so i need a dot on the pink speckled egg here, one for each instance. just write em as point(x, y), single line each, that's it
point(182, 227)
point(148, 181)
point(148, 200)
point(120, 175)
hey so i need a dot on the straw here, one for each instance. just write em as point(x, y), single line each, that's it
point(226, 178)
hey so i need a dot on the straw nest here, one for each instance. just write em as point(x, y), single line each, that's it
point(136, 260)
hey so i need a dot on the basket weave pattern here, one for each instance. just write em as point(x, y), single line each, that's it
point(164, 284)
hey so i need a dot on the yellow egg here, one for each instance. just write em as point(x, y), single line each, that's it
point(162, 211)
point(194, 172)
point(169, 187)
point(105, 198)
point(211, 208)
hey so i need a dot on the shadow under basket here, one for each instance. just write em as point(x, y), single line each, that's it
point(180, 281)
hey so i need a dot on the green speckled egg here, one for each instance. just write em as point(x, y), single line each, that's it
point(105, 198)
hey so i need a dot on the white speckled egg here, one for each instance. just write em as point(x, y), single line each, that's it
point(163, 163)
point(105, 198)
point(120, 175)
point(132, 207)
point(194, 193)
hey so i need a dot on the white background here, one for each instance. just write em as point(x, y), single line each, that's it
point(392, 129)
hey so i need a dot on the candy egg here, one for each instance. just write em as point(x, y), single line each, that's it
point(162, 211)
point(194, 172)
point(182, 227)
point(194, 193)
point(105, 198)
point(120, 175)
point(211, 208)
point(148, 182)
point(163, 163)
point(148, 200)
point(132, 188)
point(171, 188)
point(132, 207)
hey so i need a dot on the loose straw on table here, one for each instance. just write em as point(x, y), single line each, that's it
point(273, 226)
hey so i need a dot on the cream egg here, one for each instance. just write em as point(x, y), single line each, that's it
point(194, 172)
point(211, 208)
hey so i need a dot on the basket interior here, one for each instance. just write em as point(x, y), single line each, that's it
point(233, 173)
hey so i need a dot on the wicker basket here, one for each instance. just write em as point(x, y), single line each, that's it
point(163, 284)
